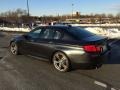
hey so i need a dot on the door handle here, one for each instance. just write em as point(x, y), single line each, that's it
point(31, 40)
point(50, 42)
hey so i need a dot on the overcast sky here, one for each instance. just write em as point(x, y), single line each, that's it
point(55, 7)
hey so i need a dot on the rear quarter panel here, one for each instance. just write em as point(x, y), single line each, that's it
point(75, 53)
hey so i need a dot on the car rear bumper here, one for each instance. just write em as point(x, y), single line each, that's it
point(90, 61)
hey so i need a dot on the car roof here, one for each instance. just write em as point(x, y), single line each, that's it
point(56, 26)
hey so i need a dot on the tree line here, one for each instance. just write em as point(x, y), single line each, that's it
point(19, 17)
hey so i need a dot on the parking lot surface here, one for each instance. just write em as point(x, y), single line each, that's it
point(27, 73)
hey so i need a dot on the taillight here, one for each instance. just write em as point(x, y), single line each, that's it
point(93, 49)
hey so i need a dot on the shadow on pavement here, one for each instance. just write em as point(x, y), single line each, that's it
point(114, 55)
point(114, 41)
point(113, 58)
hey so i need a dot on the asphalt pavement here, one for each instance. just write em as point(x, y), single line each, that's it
point(27, 73)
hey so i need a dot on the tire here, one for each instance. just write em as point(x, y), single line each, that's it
point(14, 48)
point(61, 62)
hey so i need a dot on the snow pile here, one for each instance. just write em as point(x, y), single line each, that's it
point(110, 33)
point(113, 33)
point(15, 29)
point(96, 25)
point(96, 30)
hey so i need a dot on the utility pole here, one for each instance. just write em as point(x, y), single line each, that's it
point(72, 9)
point(28, 8)
point(28, 12)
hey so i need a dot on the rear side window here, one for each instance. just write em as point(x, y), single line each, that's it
point(57, 35)
point(79, 32)
point(61, 34)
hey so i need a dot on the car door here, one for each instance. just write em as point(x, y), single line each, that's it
point(28, 44)
point(44, 44)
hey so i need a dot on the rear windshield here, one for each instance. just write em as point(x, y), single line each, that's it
point(80, 33)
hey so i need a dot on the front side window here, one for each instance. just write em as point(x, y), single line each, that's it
point(35, 33)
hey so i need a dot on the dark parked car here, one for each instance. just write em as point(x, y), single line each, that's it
point(64, 46)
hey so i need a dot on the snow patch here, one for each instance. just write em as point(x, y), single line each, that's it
point(110, 33)
point(15, 29)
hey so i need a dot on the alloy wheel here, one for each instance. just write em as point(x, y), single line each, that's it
point(61, 62)
point(14, 48)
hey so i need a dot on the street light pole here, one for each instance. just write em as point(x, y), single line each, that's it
point(28, 7)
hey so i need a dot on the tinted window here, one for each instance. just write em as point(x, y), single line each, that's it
point(57, 35)
point(35, 33)
point(67, 37)
point(47, 34)
point(79, 32)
